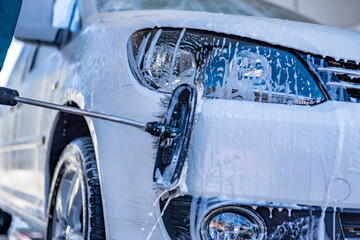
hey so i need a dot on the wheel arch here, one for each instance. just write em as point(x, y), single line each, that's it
point(66, 128)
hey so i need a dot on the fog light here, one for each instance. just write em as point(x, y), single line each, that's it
point(233, 223)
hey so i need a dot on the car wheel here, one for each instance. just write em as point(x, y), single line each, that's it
point(5, 221)
point(75, 205)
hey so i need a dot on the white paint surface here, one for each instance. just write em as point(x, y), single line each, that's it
point(311, 38)
point(286, 154)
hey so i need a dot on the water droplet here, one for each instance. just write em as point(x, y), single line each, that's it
point(339, 189)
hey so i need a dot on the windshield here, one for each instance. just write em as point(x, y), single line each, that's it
point(238, 7)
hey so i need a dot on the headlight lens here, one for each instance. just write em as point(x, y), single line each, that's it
point(233, 223)
point(227, 67)
point(166, 69)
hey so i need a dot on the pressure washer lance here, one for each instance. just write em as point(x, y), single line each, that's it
point(11, 97)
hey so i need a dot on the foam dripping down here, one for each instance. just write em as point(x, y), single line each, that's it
point(158, 220)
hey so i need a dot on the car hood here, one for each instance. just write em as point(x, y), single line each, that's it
point(306, 37)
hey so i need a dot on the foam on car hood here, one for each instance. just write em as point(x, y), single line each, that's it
point(306, 37)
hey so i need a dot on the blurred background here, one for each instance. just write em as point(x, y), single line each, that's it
point(337, 13)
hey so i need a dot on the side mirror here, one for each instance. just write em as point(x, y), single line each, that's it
point(35, 22)
point(42, 20)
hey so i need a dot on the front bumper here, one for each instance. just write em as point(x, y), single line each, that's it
point(281, 221)
point(295, 166)
point(285, 154)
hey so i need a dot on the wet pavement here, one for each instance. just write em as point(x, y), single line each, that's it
point(19, 230)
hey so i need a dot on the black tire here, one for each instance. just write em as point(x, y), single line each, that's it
point(5, 222)
point(76, 168)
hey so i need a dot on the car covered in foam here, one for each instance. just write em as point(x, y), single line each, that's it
point(274, 148)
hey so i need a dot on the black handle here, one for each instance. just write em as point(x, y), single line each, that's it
point(7, 96)
point(157, 129)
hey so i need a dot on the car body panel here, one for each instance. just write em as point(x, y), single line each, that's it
point(285, 154)
point(119, 213)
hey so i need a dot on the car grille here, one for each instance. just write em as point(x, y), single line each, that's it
point(348, 74)
point(281, 224)
point(350, 223)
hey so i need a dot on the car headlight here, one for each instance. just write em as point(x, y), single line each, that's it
point(228, 67)
point(233, 223)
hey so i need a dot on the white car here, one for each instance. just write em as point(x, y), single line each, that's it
point(271, 152)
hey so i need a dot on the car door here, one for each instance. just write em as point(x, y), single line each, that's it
point(29, 135)
point(8, 143)
point(49, 69)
